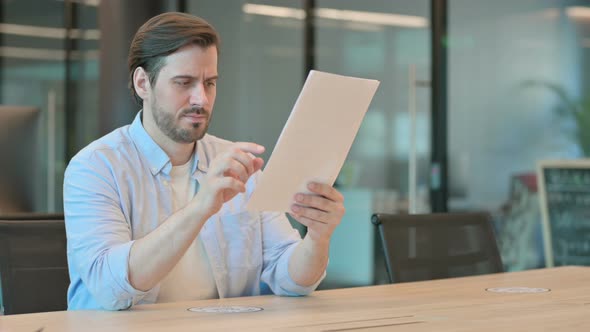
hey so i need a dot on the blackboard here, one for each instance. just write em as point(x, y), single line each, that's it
point(564, 188)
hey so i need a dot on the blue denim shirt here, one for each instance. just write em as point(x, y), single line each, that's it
point(116, 190)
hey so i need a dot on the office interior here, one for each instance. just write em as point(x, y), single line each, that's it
point(466, 108)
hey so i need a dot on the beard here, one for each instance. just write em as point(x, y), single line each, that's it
point(167, 123)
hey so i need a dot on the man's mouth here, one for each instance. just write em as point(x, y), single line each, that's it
point(194, 117)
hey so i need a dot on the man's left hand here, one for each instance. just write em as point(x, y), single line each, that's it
point(320, 211)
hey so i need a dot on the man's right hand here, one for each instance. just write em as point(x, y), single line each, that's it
point(227, 176)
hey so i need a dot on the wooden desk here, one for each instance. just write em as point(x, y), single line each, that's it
point(461, 304)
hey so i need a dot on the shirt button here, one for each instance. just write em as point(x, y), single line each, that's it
point(165, 182)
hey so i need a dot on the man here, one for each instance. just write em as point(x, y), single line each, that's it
point(155, 210)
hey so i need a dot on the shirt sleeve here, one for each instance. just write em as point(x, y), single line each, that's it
point(279, 241)
point(99, 237)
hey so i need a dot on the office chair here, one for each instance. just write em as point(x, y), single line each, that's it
point(437, 246)
point(33, 264)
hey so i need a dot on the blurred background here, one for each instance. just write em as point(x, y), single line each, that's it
point(484, 85)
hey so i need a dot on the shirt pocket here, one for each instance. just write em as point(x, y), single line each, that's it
point(242, 239)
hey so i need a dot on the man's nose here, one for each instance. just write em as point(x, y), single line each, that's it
point(198, 96)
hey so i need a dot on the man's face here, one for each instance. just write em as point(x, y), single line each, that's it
point(182, 98)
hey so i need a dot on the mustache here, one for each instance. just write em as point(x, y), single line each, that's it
point(195, 110)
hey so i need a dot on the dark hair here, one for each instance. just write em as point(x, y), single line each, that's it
point(163, 35)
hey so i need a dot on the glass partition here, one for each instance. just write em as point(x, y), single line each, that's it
point(261, 73)
point(33, 61)
point(388, 41)
point(509, 62)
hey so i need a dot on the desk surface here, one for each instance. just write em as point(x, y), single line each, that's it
point(460, 304)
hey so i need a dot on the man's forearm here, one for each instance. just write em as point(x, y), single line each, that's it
point(154, 255)
point(308, 261)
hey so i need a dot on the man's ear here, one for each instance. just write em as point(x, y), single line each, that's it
point(141, 83)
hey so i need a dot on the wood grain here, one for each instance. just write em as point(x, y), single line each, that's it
point(460, 304)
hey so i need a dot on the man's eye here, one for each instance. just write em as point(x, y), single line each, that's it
point(181, 83)
point(211, 84)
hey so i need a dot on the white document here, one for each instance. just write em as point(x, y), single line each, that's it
point(315, 140)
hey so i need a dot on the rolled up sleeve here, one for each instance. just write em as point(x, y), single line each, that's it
point(279, 242)
point(99, 237)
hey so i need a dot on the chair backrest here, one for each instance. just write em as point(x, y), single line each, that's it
point(33, 263)
point(437, 246)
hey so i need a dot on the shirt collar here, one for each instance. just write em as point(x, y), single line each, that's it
point(155, 155)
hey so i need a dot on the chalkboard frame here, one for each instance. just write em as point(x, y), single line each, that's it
point(541, 167)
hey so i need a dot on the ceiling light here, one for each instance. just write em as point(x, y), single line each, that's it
point(408, 21)
point(578, 12)
point(47, 32)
